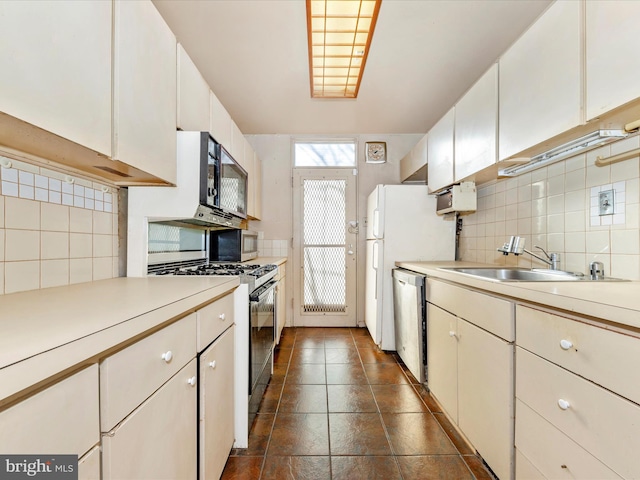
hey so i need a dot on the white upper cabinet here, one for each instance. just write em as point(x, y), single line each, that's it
point(256, 188)
point(238, 145)
point(413, 166)
point(612, 59)
point(193, 95)
point(541, 80)
point(476, 126)
point(56, 68)
point(144, 89)
point(220, 122)
point(440, 153)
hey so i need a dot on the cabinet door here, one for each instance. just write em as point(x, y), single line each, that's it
point(257, 187)
point(486, 395)
point(56, 68)
point(216, 405)
point(193, 95)
point(249, 155)
point(63, 418)
point(440, 153)
point(281, 310)
point(158, 440)
point(237, 145)
point(442, 358)
point(220, 122)
point(541, 81)
point(413, 165)
point(613, 63)
point(144, 89)
point(476, 126)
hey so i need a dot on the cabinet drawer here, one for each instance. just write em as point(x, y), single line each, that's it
point(158, 440)
point(490, 313)
point(525, 470)
point(604, 424)
point(62, 419)
point(214, 319)
point(128, 377)
point(89, 465)
point(608, 358)
point(551, 452)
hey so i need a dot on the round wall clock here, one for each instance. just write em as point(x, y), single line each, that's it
point(375, 152)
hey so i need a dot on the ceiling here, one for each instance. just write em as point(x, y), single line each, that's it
point(424, 55)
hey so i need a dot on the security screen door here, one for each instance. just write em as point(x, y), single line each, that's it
point(325, 247)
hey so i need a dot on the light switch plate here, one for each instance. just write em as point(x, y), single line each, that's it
point(606, 202)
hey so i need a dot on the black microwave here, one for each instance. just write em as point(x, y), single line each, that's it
point(233, 245)
point(223, 182)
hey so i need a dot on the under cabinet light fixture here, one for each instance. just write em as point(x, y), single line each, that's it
point(339, 33)
point(583, 144)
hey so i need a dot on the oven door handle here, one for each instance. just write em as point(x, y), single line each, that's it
point(263, 291)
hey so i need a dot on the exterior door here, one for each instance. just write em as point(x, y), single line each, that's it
point(324, 204)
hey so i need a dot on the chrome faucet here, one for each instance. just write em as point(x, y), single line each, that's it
point(515, 245)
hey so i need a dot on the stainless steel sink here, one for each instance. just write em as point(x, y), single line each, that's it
point(515, 274)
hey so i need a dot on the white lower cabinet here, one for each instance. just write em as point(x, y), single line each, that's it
point(576, 388)
point(442, 358)
point(545, 452)
point(158, 439)
point(470, 368)
point(216, 405)
point(485, 395)
point(61, 419)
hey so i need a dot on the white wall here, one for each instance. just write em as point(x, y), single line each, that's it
point(275, 151)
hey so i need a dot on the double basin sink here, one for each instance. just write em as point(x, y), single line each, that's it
point(516, 274)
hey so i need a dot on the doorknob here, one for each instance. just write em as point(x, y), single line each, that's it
point(350, 251)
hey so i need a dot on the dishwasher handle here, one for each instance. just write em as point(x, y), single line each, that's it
point(407, 276)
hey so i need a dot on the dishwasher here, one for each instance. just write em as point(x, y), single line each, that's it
point(410, 321)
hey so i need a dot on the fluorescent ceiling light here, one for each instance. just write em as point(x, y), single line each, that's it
point(588, 142)
point(339, 34)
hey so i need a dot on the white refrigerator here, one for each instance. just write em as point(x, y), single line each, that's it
point(402, 225)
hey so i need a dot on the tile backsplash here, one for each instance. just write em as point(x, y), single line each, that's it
point(55, 228)
point(556, 208)
point(273, 248)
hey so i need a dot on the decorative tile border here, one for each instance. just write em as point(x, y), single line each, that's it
point(44, 188)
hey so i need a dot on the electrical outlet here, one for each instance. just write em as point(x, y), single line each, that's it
point(606, 202)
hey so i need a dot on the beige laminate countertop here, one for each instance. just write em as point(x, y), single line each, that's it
point(46, 332)
point(618, 302)
point(269, 260)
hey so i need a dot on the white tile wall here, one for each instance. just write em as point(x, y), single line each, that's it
point(552, 207)
point(273, 248)
point(55, 228)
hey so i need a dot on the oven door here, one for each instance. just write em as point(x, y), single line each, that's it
point(262, 303)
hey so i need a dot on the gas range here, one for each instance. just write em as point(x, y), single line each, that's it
point(254, 275)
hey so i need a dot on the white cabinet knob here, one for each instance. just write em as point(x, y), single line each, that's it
point(222, 316)
point(212, 364)
point(563, 404)
point(565, 344)
point(192, 381)
point(452, 333)
point(167, 356)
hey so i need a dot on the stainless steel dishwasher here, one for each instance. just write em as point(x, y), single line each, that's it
point(410, 320)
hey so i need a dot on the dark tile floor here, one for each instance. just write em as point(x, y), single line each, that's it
point(338, 408)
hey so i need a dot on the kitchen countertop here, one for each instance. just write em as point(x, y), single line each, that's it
point(617, 302)
point(44, 333)
point(268, 260)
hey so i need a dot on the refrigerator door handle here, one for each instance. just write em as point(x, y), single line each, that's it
point(374, 264)
point(376, 223)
